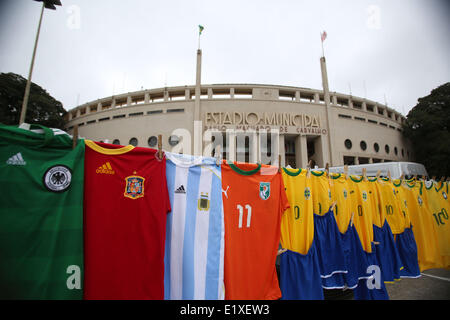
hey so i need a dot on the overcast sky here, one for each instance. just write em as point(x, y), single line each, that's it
point(91, 49)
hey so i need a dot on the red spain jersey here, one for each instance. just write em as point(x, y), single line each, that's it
point(254, 200)
point(125, 207)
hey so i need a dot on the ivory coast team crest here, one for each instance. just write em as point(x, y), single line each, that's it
point(134, 187)
point(264, 190)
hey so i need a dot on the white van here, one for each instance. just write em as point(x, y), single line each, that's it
point(409, 169)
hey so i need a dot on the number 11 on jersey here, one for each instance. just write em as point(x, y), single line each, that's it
point(241, 214)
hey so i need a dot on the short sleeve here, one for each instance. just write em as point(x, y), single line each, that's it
point(284, 203)
point(165, 190)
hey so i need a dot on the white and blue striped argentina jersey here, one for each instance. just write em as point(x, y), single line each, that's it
point(194, 254)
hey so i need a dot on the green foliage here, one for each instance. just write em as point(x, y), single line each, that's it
point(42, 108)
point(428, 128)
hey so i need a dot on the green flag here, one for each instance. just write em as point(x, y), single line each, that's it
point(200, 29)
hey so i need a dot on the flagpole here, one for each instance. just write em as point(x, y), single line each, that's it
point(23, 112)
point(321, 42)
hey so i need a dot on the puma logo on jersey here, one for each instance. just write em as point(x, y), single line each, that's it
point(16, 160)
point(105, 169)
point(226, 191)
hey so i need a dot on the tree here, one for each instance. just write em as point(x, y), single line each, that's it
point(428, 128)
point(42, 107)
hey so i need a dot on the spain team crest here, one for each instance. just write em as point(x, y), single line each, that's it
point(264, 190)
point(134, 187)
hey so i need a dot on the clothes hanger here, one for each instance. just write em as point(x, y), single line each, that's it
point(364, 174)
point(218, 155)
point(308, 169)
point(159, 154)
point(75, 136)
point(279, 163)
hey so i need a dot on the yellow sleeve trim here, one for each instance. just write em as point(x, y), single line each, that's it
point(91, 144)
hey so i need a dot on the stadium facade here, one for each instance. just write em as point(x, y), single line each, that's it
point(251, 122)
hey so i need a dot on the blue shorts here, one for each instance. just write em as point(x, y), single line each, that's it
point(330, 252)
point(355, 258)
point(300, 275)
point(378, 292)
point(387, 253)
point(407, 250)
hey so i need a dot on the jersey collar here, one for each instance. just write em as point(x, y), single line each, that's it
point(243, 172)
point(91, 144)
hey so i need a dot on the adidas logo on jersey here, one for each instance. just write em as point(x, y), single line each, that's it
point(16, 160)
point(106, 169)
point(180, 189)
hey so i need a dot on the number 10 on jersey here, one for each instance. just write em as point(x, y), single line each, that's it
point(241, 214)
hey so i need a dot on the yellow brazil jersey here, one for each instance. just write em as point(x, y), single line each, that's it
point(390, 206)
point(378, 215)
point(421, 219)
point(340, 192)
point(297, 223)
point(321, 192)
point(400, 193)
point(363, 206)
point(439, 208)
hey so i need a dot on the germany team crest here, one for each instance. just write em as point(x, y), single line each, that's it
point(264, 190)
point(134, 187)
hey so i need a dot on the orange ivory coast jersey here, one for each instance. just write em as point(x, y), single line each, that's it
point(254, 200)
point(437, 197)
point(297, 223)
point(321, 192)
point(421, 218)
point(390, 206)
point(340, 191)
point(364, 208)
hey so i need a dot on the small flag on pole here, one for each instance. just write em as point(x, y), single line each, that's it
point(200, 29)
point(323, 36)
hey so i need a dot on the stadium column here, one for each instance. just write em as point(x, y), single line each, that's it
point(231, 144)
point(254, 148)
point(330, 130)
point(301, 152)
point(282, 150)
point(198, 139)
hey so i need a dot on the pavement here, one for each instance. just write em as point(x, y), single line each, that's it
point(434, 284)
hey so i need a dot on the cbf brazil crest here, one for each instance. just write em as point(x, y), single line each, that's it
point(134, 187)
point(264, 190)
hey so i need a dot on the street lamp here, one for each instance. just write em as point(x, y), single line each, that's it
point(49, 4)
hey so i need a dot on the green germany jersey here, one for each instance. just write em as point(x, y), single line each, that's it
point(41, 214)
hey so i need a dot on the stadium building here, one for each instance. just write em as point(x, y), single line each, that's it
point(251, 122)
